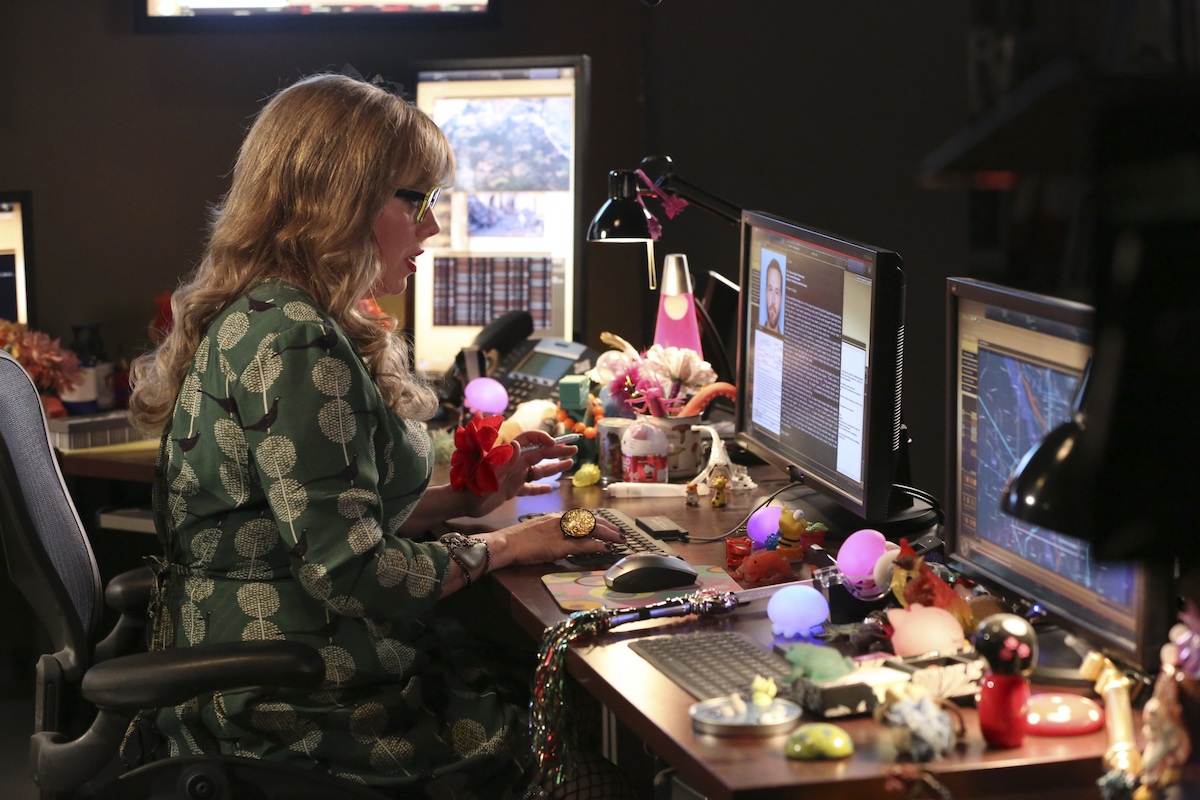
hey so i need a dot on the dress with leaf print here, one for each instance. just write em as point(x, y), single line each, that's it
point(286, 482)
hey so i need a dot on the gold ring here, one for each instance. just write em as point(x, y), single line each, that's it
point(529, 478)
point(577, 523)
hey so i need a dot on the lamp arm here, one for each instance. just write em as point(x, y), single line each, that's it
point(668, 181)
point(709, 202)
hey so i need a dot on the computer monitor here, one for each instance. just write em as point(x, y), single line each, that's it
point(820, 351)
point(512, 235)
point(16, 257)
point(166, 16)
point(1014, 360)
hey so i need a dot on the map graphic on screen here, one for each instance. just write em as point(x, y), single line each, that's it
point(1019, 402)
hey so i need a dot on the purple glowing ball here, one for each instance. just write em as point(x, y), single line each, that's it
point(487, 395)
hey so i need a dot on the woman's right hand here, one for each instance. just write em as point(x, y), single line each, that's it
point(540, 540)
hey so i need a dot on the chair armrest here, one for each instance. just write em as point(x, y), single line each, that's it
point(129, 593)
point(164, 678)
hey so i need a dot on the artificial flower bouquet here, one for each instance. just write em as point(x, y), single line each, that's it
point(657, 382)
point(53, 368)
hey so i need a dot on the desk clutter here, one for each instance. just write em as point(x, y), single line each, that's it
point(578, 591)
point(945, 650)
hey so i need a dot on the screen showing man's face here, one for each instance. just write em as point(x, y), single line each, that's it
point(774, 295)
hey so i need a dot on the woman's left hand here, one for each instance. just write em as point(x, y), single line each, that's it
point(517, 476)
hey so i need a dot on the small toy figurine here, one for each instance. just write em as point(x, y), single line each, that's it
point(692, 497)
point(920, 725)
point(1164, 731)
point(1009, 644)
point(764, 567)
point(719, 500)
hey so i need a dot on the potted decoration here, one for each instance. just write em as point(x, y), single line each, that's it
point(669, 386)
point(53, 368)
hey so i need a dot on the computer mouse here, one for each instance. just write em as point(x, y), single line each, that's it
point(649, 572)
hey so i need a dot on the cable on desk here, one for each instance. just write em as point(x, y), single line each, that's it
point(741, 526)
point(921, 494)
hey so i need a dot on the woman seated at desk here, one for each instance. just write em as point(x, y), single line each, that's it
point(294, 467)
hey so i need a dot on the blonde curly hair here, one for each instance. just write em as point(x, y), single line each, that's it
point(320, 162)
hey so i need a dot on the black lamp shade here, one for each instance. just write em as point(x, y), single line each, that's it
point(1048, 486)
point(622, 218)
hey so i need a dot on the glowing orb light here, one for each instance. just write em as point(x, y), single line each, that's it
point(857, 556)
point(487, 395)
point(762, 523)
point(796, 610)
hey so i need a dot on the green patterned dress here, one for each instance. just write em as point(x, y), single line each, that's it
point(287, 480)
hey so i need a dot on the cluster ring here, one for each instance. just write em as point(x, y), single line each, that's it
point(577, 523)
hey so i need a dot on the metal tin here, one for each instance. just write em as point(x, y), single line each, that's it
point(712, 716)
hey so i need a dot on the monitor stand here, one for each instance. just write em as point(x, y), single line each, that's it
point(904, 522)
point(1059, 655)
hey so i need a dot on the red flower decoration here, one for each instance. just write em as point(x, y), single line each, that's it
point(473, 465)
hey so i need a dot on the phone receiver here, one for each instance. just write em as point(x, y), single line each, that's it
point(499, 336)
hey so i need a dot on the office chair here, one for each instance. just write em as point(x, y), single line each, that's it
point(52, 564)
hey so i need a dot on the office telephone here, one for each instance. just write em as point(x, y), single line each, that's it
point(529, 369)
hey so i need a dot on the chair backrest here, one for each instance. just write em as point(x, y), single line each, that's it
point(49, 556)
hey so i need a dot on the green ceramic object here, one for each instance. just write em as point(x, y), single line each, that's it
point(816, 740)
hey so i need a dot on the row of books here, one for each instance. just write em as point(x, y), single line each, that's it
point(92, 430)
point(476, 290)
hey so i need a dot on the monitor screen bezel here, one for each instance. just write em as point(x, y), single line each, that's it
point(359, 22)
point(582, 64)
point(883, 403)
point(1153, 620)
point(25, 199)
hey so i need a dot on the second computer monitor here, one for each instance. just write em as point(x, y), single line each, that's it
point(819, 360)
point(511, 224)
point(1014, 360)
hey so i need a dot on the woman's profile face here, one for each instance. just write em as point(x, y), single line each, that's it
point(400, 240)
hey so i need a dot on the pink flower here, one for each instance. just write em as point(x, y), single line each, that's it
point(473, 465)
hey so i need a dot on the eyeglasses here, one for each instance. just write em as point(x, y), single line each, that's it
point(423, 202)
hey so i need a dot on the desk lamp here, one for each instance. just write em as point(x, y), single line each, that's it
point(1046, 487)
point(625, 218)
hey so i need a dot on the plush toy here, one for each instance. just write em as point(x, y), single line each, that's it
point(532, 415)
point(921, 629)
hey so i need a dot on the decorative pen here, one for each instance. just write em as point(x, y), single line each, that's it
point(567, 438)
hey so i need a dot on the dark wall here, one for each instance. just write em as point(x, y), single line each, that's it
point(818, 112)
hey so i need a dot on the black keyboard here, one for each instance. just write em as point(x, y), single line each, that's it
point(715, 664)
point(636, 541)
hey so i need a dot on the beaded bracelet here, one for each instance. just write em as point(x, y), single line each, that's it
point(464, 551)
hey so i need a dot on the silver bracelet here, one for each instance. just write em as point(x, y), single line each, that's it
point(465, 552)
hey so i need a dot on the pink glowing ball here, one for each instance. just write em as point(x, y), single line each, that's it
point(857, 556)
point(487, 395)
point(763, 523)
point(922, 629)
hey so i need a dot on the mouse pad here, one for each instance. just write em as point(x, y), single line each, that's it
point(579, 591)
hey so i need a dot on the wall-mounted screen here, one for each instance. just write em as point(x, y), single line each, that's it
point(16, 257)
point(154, 16)
point(511, 225)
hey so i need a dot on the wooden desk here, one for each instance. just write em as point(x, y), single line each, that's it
point(123, 462)
point(656, 710)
